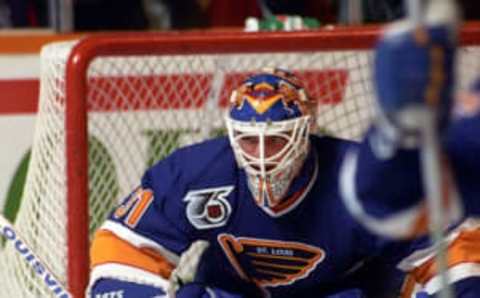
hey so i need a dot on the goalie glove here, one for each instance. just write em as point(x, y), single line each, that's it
point(183, 282)
point(414, 71)
point(187, 267)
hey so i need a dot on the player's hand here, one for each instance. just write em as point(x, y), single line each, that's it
point(414, 71)
point(182, 279)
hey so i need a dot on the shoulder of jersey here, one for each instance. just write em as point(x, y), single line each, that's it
point(184, 182)
point(331, 148)
point(206, 159)
point(209, 163)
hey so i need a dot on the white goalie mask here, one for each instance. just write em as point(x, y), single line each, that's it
point(269, 125)
point(265, 149)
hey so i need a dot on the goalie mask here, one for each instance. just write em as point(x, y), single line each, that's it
point(268, 125)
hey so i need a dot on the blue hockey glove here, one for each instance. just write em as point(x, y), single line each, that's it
point(110, 287)
point(184, 282)
point(194, 290)
point(414, 71)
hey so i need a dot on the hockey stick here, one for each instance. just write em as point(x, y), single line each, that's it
point(40, 269)
point(431, 173)
point(430, 154)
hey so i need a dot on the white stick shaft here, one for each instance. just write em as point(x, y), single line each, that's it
point(24, 250)
point(415, 11)
point(432, 179)
point(431, 167)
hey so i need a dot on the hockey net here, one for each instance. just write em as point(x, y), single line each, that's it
point(112, 105)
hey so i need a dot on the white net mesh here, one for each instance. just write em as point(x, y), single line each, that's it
point(143, 107)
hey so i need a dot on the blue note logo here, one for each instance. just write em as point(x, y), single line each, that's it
point(208, 208)
point(270, 263)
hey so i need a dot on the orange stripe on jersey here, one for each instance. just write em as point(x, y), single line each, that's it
point(465, 249)
point(289, 201)
point(408, 287)
point(224, 239)
point(108, 248)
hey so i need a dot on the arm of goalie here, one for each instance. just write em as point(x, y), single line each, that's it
point(182, 282)
point(116, 288)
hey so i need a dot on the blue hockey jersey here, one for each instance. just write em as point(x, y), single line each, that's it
point(309, 247)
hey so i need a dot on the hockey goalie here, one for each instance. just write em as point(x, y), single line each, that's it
point(254, 214)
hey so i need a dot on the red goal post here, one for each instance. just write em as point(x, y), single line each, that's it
point(112, 89)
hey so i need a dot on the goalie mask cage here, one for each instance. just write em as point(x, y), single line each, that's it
point(111, 105)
